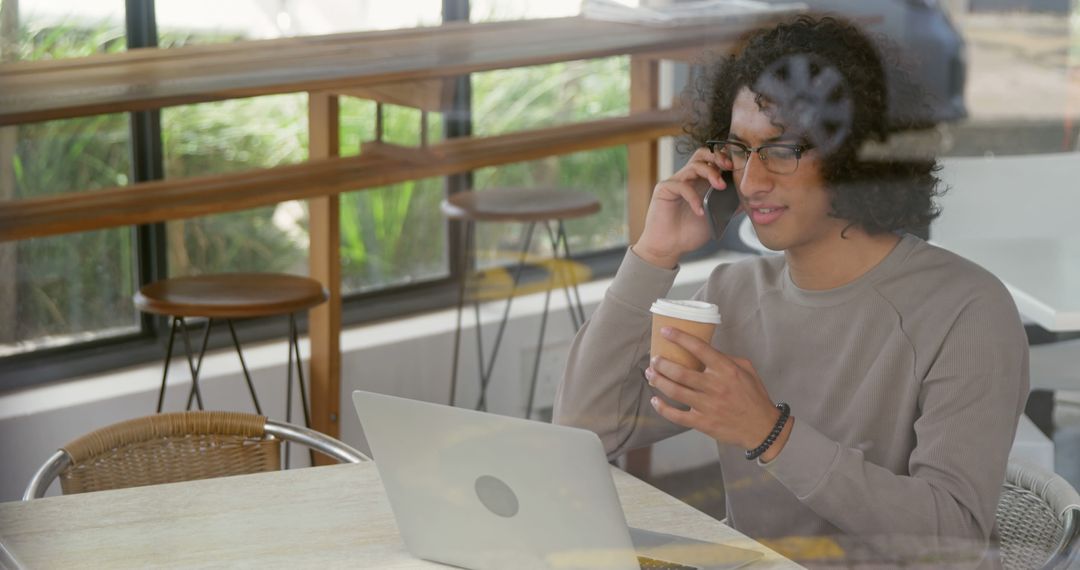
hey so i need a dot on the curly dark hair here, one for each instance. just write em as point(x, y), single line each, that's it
point(876, 195)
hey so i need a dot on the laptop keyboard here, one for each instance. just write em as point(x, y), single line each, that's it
point(654, 564)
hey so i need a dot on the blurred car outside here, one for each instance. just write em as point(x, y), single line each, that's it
point(930, 48)
point(926, 87)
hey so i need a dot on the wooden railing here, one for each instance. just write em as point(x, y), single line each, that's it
point(328, 67)
point(377, 165)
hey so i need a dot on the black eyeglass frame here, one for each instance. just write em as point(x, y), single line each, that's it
point(798, 149)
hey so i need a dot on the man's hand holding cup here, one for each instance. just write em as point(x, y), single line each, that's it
point(724, 396)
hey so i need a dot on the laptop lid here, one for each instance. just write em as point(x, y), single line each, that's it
point(481, 491)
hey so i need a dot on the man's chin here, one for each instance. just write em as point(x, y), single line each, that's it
point(773, 243)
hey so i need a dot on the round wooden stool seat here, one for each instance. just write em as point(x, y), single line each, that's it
point(230, 295)
point(520, 205)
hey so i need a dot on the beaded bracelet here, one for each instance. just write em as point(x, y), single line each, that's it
point(785, 412)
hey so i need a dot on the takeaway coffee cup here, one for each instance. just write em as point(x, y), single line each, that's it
point(697, 318)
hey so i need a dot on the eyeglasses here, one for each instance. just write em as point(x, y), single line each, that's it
point(777, 158)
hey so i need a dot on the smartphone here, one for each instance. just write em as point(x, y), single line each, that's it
point(721, 205)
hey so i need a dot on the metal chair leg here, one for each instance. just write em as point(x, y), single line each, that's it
point(479, 331)
point(168, 357)
point(485, 375)
point(539, 352)
point(467, 231)
point(243, 366)
point(198, 363)
point(566, 256)
point(565, 274)
point(294, 344)
point(191, 365)
point(288, 392)
point(288, 381)
point(300, 372)
point(565, 279)
point(560, 245)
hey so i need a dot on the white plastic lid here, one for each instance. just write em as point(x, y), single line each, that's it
point(698, 311)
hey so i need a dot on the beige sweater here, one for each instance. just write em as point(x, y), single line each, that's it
point(906, 386)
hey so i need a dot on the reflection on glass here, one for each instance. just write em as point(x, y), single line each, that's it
point(496, 10)
point(1023, 90)
point(212, 21)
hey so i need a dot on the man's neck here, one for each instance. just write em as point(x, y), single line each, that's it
point(835, 261)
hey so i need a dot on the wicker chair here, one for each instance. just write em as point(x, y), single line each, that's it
point(1038, 519)
point(184, 446)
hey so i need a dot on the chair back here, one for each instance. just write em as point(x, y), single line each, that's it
point(1037, 519)
point(183, 446)
point(168, 448)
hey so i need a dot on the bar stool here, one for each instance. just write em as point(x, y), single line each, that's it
point(530, 206)
point(231, 296)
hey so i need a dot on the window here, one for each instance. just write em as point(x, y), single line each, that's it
point(544, 96)
point(230, 136)
point(262, 132)
point(74, 288)
point(392, 235)
point(1002, 76)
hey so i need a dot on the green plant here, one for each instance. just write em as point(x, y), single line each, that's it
point(58, 290)
point(229, 136)
point(533, 97)
point(394, 234)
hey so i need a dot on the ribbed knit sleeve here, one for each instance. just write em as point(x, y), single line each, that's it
point(604, 388)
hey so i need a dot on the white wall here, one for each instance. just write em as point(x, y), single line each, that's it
point(1005, 197)
point(407, 357)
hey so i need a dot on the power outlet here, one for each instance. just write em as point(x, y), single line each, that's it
point(552, 364)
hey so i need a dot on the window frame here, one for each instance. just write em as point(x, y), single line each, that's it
point(147, 344)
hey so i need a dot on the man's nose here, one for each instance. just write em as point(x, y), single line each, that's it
point(755, 178)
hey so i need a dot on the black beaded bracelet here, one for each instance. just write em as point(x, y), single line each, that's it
point(785, 412)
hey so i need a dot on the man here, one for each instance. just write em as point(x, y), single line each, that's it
point(904, 366)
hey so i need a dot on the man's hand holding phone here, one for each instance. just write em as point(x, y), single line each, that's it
point(677, 221)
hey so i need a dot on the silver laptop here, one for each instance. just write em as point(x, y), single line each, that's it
point(483, 491)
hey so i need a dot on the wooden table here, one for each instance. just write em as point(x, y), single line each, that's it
point(320, 517)
point(327, 67)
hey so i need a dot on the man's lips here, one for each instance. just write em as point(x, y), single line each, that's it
point(765, 214)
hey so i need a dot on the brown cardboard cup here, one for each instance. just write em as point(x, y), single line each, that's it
point(696, 318)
